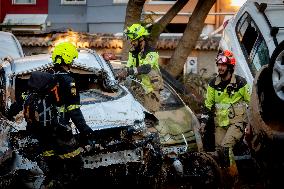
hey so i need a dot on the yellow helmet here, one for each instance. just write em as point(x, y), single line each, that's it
point(135, 31)
point(67, 51)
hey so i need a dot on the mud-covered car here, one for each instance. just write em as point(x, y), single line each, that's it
point(10, 49)
point(129, 142)
point(179, 137)
point(118, 121)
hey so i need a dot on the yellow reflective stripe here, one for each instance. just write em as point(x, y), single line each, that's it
point(72, 107)
point(24, 95)
point(62, 109)
point(69, 108)
point(48, 153)
point(72, 154)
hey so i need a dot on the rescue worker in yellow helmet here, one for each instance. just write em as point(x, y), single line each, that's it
point(68, 164)
point(143, 65)
point(69, 99)
point(226, 100)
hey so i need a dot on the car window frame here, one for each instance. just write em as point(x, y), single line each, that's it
point(250, 57)
point(254, 52)
point(179, 103)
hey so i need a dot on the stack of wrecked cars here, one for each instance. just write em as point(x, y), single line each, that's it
point(129, 142)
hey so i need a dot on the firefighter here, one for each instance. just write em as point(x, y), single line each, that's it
point(143, 65)
point(67, 93)
point(226, 100)
point(51, 101)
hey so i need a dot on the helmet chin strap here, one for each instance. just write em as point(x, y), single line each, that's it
point(138, 47)
point(226, 74)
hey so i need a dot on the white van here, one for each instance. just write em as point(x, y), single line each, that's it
point(256, 37)
point(254, 34)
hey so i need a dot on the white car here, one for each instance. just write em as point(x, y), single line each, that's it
point(10, 46)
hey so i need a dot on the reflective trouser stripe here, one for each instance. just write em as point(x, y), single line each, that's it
point(64, 156)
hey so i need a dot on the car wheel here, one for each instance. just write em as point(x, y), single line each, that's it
point(277, 63)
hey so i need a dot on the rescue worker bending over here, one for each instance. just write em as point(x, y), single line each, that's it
point(227, 98)
point(143, 65)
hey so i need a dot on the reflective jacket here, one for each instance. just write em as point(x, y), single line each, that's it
point(148, 56)
point(228, 100)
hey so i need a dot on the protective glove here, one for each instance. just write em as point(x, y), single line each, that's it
point(201, 128)
point(143, 69)
point(121, 74)
point(203, 122)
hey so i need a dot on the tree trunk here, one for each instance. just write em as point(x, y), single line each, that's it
point(133, 15)
point(160, 26)
point(190, 36)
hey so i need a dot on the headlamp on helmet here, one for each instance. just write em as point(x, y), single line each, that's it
point(64, 53)
point(136, 31)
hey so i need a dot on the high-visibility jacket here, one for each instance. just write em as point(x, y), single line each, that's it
point(228, 100)
point(142, 58)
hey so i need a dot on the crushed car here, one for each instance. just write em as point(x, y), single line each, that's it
point(117, 119)
point(179, 137)
point(129, 141)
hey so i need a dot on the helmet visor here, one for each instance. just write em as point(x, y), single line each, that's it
point(221, 59)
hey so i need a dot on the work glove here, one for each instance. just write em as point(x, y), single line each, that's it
point(203, 123)
point(144, 69)
point(201, 128)
point(121, 74)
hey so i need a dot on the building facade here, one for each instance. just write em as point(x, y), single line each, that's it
point(37, 22)
point(23, 15)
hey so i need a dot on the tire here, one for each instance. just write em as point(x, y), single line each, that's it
point(277, 66)
point(270, 87)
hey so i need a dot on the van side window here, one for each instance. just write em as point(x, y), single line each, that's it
point(247, 33)
point(259, 55)
point(252, 43)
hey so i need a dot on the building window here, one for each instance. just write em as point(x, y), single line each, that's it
point(73, 2)
point(24, 1)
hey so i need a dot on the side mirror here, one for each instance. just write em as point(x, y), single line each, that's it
point(109, 56)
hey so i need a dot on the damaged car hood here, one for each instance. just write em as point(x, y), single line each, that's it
point(124, 111)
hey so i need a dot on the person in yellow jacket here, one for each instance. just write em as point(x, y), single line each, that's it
point(143, 65)
point(227, 99)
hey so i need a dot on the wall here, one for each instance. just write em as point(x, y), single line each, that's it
point(6, 7)
point(66, 16)
point(113, 19)
point(97, 16)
